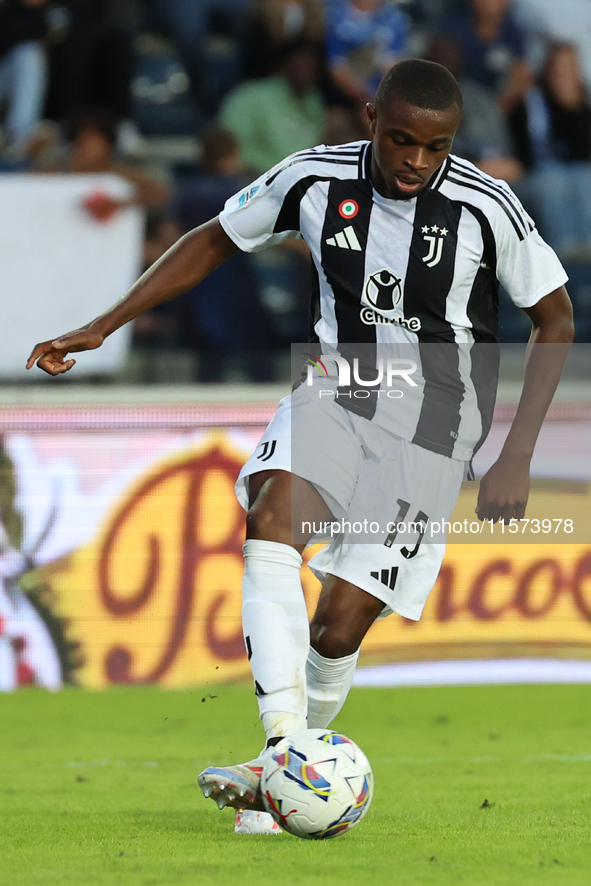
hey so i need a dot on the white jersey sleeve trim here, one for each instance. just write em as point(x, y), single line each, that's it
point(527, 267)
point(544, 290)
point(248, 245)
point(250, 218)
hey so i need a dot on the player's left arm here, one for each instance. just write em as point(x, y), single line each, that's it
point(504, 489)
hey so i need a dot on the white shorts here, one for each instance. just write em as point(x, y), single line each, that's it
point(382, 490)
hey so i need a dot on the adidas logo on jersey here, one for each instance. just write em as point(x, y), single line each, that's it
point(345, 239)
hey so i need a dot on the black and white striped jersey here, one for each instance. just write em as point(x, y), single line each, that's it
point(419, 271)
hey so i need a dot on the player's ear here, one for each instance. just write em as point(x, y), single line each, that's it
point(371, 117)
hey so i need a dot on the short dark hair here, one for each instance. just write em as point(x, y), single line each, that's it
point(422, 84)
point(218, 144)
point(294, 46)
point(90, 117)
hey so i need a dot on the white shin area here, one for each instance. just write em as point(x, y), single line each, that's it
point(329, 681)
point(276, 633)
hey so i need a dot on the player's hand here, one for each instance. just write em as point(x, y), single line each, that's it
point(504, 491)
point(50, 356)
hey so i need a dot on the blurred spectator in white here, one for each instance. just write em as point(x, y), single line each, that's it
point(270, 24)
point(363, 38)
point(25, 28)
point(483, 136)
point(552, 133)
point(280, 114)
point(493, 48)
point(567, 21)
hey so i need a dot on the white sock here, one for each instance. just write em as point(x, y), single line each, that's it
point(276, 633)
point(329, 682)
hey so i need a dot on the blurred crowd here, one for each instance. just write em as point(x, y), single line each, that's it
point(94, 85)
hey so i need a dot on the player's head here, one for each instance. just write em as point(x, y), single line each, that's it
point(416, 112)
point(92, 133)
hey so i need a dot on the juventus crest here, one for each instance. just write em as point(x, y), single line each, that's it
point(435, 237)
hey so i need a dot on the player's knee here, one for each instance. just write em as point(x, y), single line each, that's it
point(264, 522)
point(333, 641)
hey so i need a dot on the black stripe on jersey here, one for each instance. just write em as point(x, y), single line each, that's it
point(504, 206)
point(483, 303)
point(425, 296)
point(343, 151)
point(483, 312)
point(519, 213)
point(350, 150)
point(484, 373)
point(427, 285)
point(315, 313)
point(508, 195)
point(315, 158)
point(440, 176)
point(365, 162)
point(289, 214)
point(320, 155)
point(345, 274)
point(437, 427)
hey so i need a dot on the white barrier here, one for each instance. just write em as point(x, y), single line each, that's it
point(60, 267)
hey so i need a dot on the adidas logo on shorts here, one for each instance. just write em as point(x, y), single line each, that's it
point(386, 577)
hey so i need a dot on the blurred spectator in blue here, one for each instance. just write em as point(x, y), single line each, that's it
point(280, 114)
point(493, 48)
point(272, 23)
point(222, 319)
point(484, 136)
point(189, 23)
point(552, 132)
point(26, 26)
point(363, 38)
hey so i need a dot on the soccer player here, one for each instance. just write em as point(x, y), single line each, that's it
point(408, 243)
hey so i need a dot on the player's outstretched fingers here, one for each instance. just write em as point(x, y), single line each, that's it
point(50, 358)
point(50, 355)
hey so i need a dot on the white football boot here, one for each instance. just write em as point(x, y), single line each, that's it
point(248, 821)
point(238, 786)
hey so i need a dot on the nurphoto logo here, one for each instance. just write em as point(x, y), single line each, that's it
point(386, 372)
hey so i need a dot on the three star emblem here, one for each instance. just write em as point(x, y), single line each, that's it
point(435, 229)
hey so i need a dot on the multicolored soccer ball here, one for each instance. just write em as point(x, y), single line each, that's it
point(317, 784)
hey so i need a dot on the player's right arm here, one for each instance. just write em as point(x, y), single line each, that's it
point(183, 266)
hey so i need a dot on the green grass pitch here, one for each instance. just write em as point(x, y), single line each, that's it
point(100, 788)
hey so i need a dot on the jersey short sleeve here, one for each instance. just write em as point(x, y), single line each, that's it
point(527, 267)
point(253, 218)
